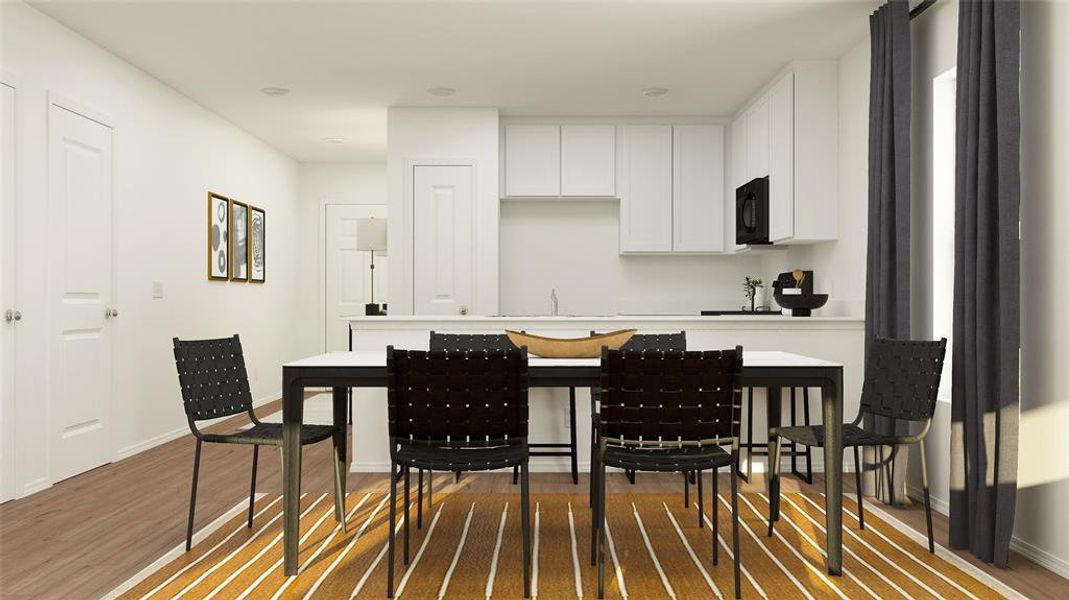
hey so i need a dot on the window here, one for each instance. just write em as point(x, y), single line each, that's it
point(944, 88)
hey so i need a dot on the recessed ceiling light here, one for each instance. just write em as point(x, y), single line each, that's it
point(441, 91)
point(274, 91)
point(334, 140)
point(653, 92)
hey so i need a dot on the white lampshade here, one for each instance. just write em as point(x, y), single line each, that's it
point(371, 234)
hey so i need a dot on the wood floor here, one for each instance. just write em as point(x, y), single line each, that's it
point(84, 536)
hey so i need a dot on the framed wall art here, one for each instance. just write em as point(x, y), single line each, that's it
point(257, 245)
point(218, 237)
point(239, 241)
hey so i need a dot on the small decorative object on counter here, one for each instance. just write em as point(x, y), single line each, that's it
point(750, 287)
point(794, 292)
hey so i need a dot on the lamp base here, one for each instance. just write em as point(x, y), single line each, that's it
point(374, 310)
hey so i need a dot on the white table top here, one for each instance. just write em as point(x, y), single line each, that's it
point(369, 358)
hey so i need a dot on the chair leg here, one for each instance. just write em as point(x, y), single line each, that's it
point(749, 434)
point(419, 500)
point(794, 422)
point(808, 449)
point(456, 479)
point(574, 438)
point(891, 478)
point(686, 490)
point(630, 476)
point(515, 475)
point(391, 533)
point(339, 489)
point(595, 487)
point(773, 483)
point(601, 529)
point(193, 497)
point(407, 483)
point(927, 500)
point(735, 529)
point(701, 501)
point(858, 475)
point(252, 484)
point(525, 508)
point(430, 488)
point(716, 515)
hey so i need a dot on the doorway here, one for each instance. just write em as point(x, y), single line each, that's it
point(347, 281)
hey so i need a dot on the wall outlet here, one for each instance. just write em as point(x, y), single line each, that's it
point(157, 290)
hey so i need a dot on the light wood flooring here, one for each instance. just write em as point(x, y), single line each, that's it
point(84, 536)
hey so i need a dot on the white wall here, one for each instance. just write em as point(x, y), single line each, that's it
point(168, 153)
point(839, 267)
point(1041, 530)
point(321, 184)
point(573, 245)
point(434, 135)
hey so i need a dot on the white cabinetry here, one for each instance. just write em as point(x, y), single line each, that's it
point(588, 160)
point(645, 162)
point(790, 133)
point(532, 160)
point(698, 188)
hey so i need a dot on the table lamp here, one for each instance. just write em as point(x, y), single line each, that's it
point(371, 236)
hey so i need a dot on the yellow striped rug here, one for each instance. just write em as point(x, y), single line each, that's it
point(469, 547)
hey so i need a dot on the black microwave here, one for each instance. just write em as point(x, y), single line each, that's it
point(751, 212)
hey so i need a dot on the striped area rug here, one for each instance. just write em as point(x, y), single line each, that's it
point(469, 547)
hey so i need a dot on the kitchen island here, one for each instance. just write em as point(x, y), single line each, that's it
point(838, 339)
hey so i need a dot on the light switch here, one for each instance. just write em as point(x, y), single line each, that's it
point(157, 290)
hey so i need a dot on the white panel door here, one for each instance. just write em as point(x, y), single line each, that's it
point(698, 188)
point(532, 160)
point(781, 160)
point(646, 198)
point(80, 291)
point(348, 271)
point(7, 290)
point(757, 139)
point(443, 240)
point(588, 160)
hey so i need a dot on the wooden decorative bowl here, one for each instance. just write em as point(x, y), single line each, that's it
point(584, 347)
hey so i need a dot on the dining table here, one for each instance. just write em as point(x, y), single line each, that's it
point(342, 371)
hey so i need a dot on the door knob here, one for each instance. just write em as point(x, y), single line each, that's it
point(463, 310)
point(12, 315)
point(110, 313)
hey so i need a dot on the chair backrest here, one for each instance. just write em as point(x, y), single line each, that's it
point(213, 378)
point(902, 378)
point(471, 341)
point(464, 398)
point(671, 398)
point(655, 341)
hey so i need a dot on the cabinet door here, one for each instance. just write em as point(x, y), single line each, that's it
point(698, 188)
point(781, 160)
point(588, 160)
point(757, 139)
point(646, 197)
point(532, 160)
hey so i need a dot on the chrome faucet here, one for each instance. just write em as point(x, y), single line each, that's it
point(553, 301)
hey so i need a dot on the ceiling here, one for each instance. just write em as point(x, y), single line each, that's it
point(346, 62)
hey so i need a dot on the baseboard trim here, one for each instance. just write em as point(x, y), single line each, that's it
point(37, 485)
point(174, 434)
point(939, 505)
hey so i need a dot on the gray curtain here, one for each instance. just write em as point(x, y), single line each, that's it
point(987, 181)
point(887, 274)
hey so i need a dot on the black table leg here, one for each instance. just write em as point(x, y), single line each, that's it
point(833, 467)
point(575, 444)
point(292, 415)
point(339, 404)
point(773, 418)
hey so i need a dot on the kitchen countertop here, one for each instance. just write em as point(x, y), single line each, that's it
point(596, 321)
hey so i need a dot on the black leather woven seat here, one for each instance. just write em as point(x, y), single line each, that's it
point(686, 459)
point(215, 384)
point(901, 383)
point(852, 436)
point(459, 459)
point(269, 434)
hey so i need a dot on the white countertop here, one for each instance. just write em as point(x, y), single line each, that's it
point(668, 321)
point(369, 358)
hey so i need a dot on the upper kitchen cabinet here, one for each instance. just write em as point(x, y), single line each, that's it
point(588, 160)
point(532, 160)
point(560, 160)
point(698, 188)
point(790, 133)
point(645, 165)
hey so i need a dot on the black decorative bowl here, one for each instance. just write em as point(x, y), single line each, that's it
point(800, 305)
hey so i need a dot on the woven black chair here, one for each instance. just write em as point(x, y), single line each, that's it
point(901, 383)
point(500, 341)
point(457, 411)
point(215, 384)
point(668, 411)
point(639, 341)
point(761, 449)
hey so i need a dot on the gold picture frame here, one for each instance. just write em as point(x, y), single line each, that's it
point(218, 237)
point(239, 241)
point(257, 244)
